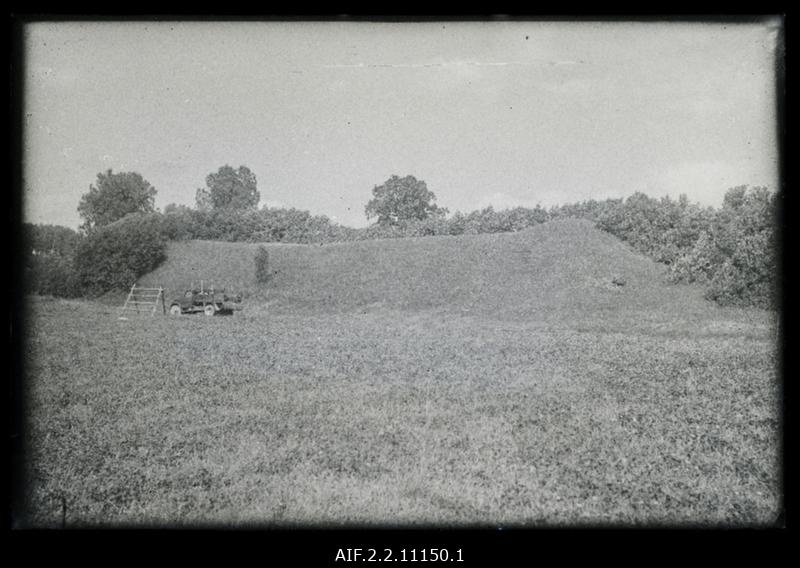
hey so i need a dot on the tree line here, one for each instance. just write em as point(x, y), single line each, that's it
point(732, 250)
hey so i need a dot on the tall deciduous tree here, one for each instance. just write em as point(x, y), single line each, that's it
point(402, 199)
point(229, 189)
point(113, 197)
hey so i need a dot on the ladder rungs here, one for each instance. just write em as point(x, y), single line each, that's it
point(144, 301)
point(147, 313)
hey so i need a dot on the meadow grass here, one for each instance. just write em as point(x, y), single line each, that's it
point(562, 401)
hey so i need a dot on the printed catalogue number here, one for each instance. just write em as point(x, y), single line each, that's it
point(398, 555)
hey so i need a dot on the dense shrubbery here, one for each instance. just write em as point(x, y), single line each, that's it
point(745, 238)
point(51, 274)
point(116, 255)
point(296, 226)
point(490, 221)
point(661, 228)
point(264, 225)
point(732, 250)
point(591, 209)
point(49, 239)
point(49, 252)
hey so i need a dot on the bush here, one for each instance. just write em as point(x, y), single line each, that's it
point(178, 222)
point(699, 263)
point(116, 255)
point(51, 275)
point(262, 265)
point(49, 252)
point(731, 249)
point(48, 239)
point(745, 234)
point(748, 276)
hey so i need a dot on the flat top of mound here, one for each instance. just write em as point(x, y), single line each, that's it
point(559, 267)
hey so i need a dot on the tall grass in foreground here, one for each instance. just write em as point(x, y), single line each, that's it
point(401, 417)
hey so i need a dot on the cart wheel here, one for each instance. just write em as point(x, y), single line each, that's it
point(175, 310)
point(209, 310)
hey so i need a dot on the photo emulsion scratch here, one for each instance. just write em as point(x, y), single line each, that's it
point(410, 274)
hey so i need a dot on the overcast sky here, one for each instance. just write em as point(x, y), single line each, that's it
point(500, 113)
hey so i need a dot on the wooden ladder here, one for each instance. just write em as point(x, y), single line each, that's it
point(144, 301)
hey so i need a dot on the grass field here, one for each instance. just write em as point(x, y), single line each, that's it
point(474, 380)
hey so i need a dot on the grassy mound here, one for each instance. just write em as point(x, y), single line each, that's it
point(217, 264)
point(560, 266)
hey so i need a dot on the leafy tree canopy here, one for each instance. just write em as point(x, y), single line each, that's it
point(113, 197)
point(402, 199)
point(229, 189)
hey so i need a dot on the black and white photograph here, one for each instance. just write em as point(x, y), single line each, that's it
point(399, 273)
